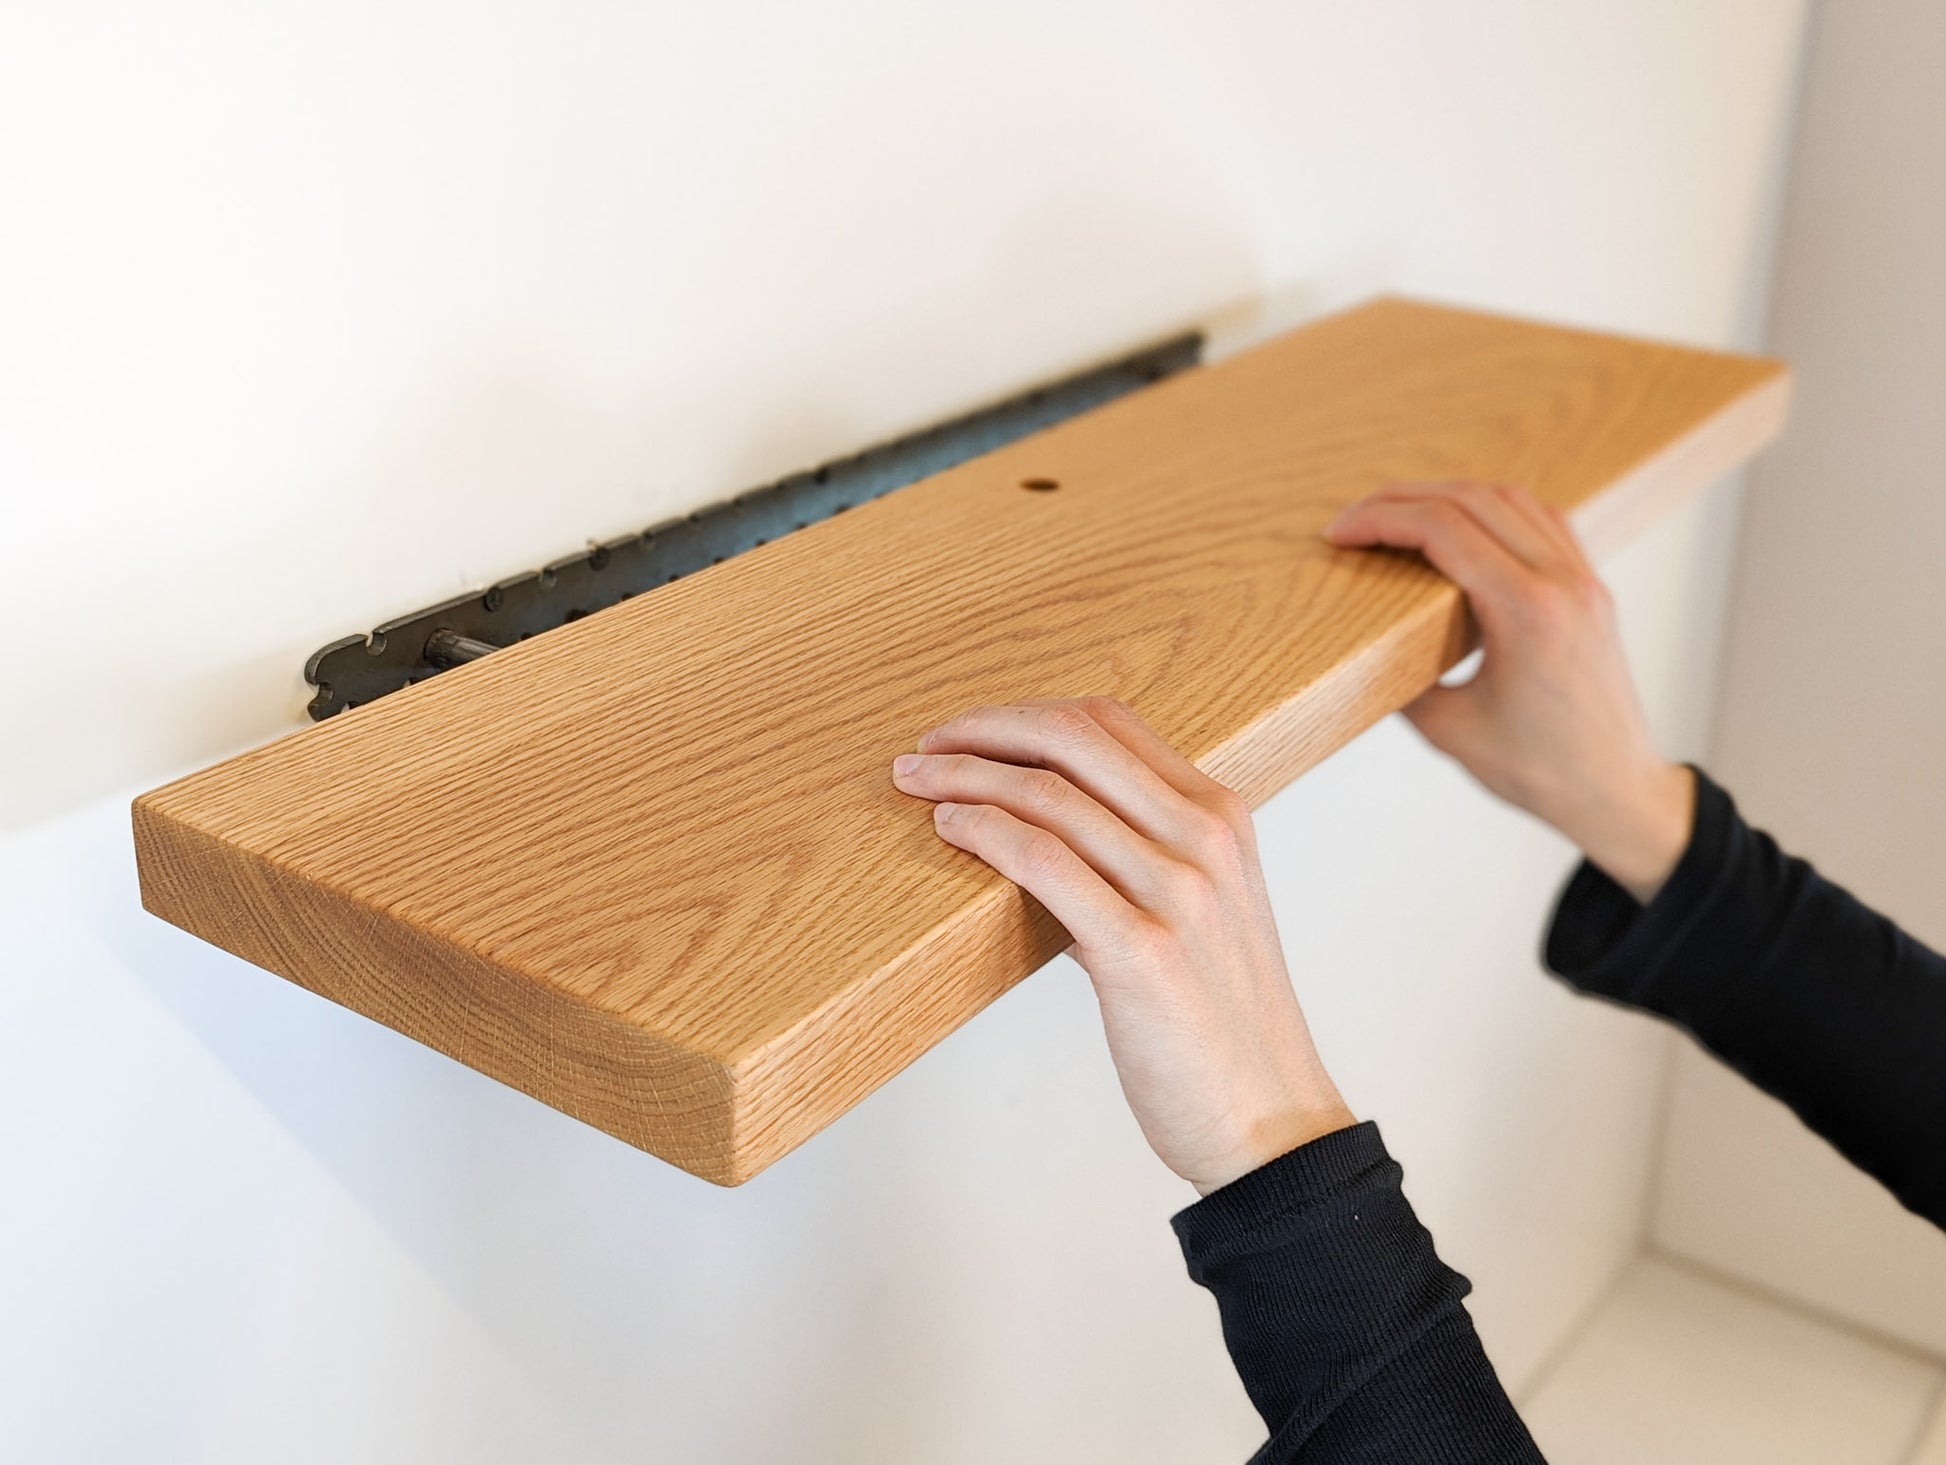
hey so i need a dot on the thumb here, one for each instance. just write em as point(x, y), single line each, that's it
point(1447, 717)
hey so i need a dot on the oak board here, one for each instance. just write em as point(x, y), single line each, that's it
point(651, 868)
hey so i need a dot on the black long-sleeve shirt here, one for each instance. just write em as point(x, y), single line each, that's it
point(1347, 1329)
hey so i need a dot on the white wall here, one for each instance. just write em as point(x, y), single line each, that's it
point(1836, 694)
point(315, 313)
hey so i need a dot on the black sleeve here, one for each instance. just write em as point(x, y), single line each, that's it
point(1790, 980)
point(1346, 1327)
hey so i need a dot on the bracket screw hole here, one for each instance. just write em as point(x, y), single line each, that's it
point(494, 598)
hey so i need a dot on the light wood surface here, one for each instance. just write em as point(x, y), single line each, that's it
point(651, 868)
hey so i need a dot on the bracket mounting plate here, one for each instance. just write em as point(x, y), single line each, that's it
point(357, 669)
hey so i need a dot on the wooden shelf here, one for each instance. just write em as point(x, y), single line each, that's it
point(651, 868)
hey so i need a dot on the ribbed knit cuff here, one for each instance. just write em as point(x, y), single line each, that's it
point(1345, 1327)
point(1315, 1171)
point(1604, 941)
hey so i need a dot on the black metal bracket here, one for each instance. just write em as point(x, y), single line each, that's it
point(357, 669)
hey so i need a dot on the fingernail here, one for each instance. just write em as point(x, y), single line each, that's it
point(943, 812)
point(906, 763)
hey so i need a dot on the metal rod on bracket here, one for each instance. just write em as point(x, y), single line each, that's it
point(446, 649)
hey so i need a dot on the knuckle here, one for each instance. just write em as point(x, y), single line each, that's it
point(1216, 839)
point(1209, 831)
point(1575, 598)
point(1041, 855)
point(1043, 790)
point(975, 821)
point(1229, 806)
point(1188, 890)
point(1065, 722)
point(1544, 603)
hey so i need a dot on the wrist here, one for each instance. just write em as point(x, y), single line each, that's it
point(1309, 1117)
point(1639, 839)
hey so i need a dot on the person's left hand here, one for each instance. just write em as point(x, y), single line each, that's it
point(1152, 867)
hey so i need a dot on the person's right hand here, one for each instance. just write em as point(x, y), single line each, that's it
point(1152, 866)
point(1551, 722)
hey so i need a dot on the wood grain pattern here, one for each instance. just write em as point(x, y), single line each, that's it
point(651, 868)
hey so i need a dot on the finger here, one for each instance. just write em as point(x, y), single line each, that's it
point(1548, 520)
point(1573, 569)
point(1127, 727)
point(1564, 525)
point(1492, 577)
point(1533, 543)
point(1063, 737)
point(1142, 871)
point(1096, 917)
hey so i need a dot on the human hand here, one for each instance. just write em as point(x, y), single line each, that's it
point(1551, 723)
point(1152, 867)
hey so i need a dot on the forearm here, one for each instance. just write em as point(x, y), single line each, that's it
point(1817, 999)
point(1348, 1331)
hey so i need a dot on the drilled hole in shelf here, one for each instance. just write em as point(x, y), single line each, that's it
point(1041, 485)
